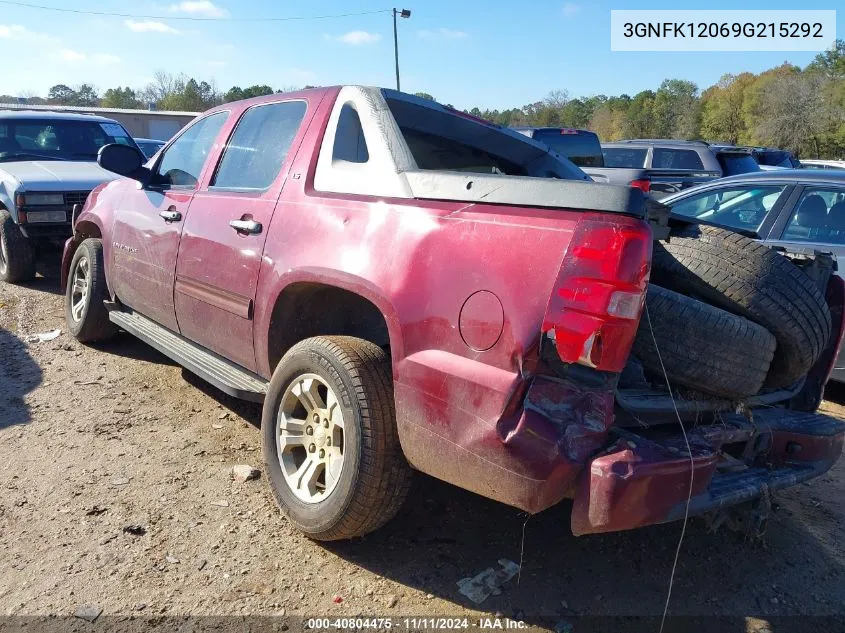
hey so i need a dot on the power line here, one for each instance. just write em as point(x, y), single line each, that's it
point(189, 18)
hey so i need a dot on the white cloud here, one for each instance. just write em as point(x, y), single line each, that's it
point(70, 55)
point(449, 34)
point(106, 58)
point(570, 9)
point(202, 8)
point(217, 63)
point(18, 32)
point(357, 38)
point(149, 26)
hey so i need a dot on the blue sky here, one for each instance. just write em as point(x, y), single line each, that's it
point(493, 53)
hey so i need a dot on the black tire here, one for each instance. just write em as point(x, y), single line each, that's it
point(91, 322)
point(749, 279)
point(17, 257)
point(375, 478)
point(702, 347)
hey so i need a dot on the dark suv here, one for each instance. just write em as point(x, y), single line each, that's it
point(582, 147)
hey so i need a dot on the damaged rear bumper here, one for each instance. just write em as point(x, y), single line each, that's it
point(641, 480)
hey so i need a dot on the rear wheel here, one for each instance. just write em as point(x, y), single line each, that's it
point(331, 448)
point(17, 257)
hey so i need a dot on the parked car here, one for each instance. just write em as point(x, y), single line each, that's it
point(149, 146)
point(356, 259)
point(792, 209)
point(822, 164)
point(582, 147)
point(661, 167)
point(47, 165)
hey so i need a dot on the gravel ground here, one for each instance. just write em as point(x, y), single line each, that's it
point(115, 471)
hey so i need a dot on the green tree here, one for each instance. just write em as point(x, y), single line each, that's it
point(86, 95)
point(61, 94)
point(676, 109)
point(120, 98)
point(424, 95)
point(722, 107)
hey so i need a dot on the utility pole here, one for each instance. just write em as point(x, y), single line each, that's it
point(404, 13)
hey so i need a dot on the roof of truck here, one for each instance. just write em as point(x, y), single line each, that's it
point(42, 115)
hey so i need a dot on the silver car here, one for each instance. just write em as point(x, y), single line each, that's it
point(797, 209)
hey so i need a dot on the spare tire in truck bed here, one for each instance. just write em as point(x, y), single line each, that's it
point(702, 347)
point(737, 274)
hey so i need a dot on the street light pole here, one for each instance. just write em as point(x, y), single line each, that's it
point(404, 13)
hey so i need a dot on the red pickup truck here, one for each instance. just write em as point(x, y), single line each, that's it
point(407, 287)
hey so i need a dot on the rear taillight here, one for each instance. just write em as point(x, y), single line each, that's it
point(643, 185)
point(598, 298)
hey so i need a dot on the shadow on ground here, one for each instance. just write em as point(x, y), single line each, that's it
point(445, 534)
point(19, 374)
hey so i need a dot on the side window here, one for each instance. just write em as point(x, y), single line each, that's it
point(741, 207)
point(819, 216)
point(181, 164)
point(349, 142)
point(259, 145)
point(663, 158)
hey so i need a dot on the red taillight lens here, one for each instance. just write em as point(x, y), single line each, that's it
point(643, 185)
point(595, 308)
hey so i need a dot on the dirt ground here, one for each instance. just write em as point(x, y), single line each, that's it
point(116, 495)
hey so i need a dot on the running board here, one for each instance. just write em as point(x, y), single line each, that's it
point(223, 374)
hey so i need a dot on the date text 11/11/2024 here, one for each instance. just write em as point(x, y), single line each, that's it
point(487, 623)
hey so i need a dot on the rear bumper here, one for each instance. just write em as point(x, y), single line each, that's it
point(639, 481)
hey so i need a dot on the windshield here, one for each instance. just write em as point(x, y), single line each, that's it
point(743, 207)
point(45, 139)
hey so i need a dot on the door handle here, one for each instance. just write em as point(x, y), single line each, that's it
point(250, 227)
point(171, 215)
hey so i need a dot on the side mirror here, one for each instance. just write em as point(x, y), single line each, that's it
point(122, 159)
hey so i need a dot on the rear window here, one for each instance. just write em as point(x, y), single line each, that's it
point(663, 158)
point(733, 164)
point(582, 148)
point(629, 157)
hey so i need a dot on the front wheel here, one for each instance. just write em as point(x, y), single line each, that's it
point(17, 258)
point(86, 315)
point(331, 448)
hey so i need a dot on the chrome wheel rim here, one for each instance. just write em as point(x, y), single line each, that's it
point(79, 289)
point(310, 438)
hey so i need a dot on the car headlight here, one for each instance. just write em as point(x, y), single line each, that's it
point(36, 199)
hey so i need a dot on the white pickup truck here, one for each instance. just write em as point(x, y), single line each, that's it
point(48, 164)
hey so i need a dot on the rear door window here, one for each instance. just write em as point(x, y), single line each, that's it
point(819, 217)
point(687, 159)
point(259, 145)
point(626, 157)
point(582, 148)
point(742, 207)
